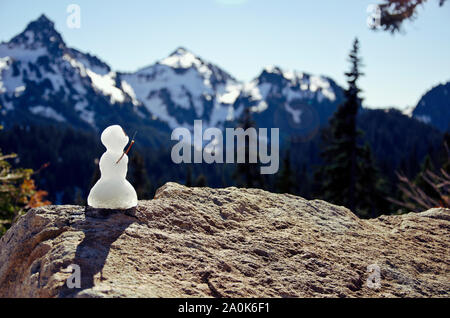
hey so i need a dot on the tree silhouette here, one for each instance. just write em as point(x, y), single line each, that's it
point(392, 13)
point(201, 181)
point(247, 175)
point(286, 182)
point(139, 177)
point(339, 175)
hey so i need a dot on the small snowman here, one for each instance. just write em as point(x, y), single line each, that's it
point(113, 191)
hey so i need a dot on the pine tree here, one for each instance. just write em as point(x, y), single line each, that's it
point(201, 181)
point(305, 183)
point(371, 187)
point(96, 175)
point(285, 182)
point(247, 175)
point(139, 177)
point(339, 174)
point(188, 177)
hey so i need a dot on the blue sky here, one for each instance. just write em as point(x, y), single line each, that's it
point(243, 36)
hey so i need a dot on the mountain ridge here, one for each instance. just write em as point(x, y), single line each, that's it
point(434, 107)
point(174, 91)
point(170, 93)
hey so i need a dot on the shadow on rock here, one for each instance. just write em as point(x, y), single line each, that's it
point(102, 227)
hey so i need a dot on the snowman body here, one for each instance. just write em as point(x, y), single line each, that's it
point(113, 191)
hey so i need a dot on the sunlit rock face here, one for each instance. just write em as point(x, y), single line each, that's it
point(202, 242)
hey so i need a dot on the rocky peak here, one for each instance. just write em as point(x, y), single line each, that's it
point(182, 58)
point(202, 242)
point(40, 33)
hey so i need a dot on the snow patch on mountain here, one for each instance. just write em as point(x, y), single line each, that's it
point(106, 85)
point(47, 112)
point(176, 90)
point(423, 118)
point(184, 82)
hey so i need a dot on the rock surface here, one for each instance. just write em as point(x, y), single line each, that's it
point(201, 242)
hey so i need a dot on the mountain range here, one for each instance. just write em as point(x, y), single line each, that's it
point(42, 79)
point(48, 90)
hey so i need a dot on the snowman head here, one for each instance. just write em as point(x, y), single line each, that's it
point(114, 138)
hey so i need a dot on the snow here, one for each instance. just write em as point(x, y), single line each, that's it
point(262, 106)
point(296, 113)
point(57, 80)
point(319, 82)
point(408, 111)
point(9, 83)
point(159, 110)
point(423, 118)
point(188, 90)
point(86, 115)
point(19, 90)
point(129, 90)
point(76, 64)
point(106, 85)
point(223, 109)
point(47, 112)
point(5, 62)
point(185, 78)
point(298, 81)
point(232, 92)
point(182, 87)
point(181, 59)
point(21, 53)
point(88, 65)
point(257, 91)
point(103, 82)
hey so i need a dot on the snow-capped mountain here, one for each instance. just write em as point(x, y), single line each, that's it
point(42, 80)
point(183, 87)
point(434, 107)
point(296, 102)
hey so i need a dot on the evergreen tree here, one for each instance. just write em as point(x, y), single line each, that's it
point(371, 187)
point(188, 177)
point(304, 183)
point(247, 175)
point(96, 175)
point(201, 181)
point(139, 177)
point(339, 175)
point(444, 153)
point(285, 182)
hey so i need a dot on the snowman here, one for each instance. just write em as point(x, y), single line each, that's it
point(113, 191)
